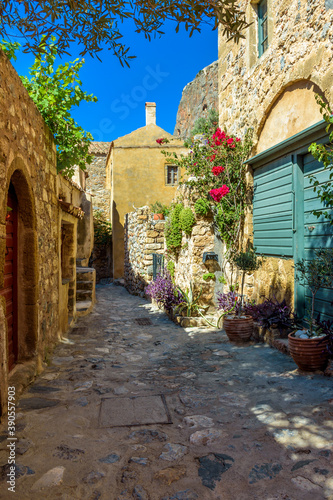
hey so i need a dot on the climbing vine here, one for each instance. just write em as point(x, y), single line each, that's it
point(324, 154)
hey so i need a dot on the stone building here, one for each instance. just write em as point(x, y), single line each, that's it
point(139, 175)
point(43, 229)
point(268, 83)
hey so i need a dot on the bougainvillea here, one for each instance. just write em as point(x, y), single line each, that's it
point(215, 171)
point(217, 194)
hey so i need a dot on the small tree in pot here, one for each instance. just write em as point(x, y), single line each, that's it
point(239, 327)
point(308, 347)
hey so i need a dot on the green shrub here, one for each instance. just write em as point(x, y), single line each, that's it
point(173, 232)
point(102, 229)
point(202, 207)
point(187, 220)
point(208, 276)
point(171, 268)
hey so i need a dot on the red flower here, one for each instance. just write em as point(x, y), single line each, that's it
point(237, 139)
point(162, 140)
point(217, 194)
point(212, 158)
point(230, 141)
point(217, 170)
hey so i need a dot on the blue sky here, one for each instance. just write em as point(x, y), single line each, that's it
point(159, 73)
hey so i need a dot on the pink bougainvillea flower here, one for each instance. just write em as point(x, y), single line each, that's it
point(237, 139)
point(212, 158)
point(230, 141)
point(217, 170)
point(217, 194)
point(162, 140)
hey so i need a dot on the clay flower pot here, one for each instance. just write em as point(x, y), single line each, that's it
point(158, 217)
point(238, 329)
point(309, 354)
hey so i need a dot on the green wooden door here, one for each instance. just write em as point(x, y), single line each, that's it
point(317, 233)
point(283, 224)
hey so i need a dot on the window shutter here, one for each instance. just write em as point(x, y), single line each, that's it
point(273, 208)
point(166, 174)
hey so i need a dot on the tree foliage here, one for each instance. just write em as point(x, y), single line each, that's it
point(55, 92)
point(95, 24)
point(324, 154)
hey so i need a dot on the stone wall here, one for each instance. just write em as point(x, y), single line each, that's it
point(143, 237)
point(198, 97)
point(96, 183)
point(28, 164)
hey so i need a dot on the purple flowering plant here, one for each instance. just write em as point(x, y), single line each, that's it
point(228, 302)
point(271, 312)
point(164, 291)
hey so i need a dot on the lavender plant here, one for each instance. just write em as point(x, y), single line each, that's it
point(164, 291)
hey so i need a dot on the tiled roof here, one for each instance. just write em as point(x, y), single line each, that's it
point(99, 147)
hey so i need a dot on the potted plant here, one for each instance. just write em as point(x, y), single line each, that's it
point(238, 325)
point(159, 210)
point(309, 347)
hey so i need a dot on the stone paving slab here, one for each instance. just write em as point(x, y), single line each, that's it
point(141, 410)
point(246, 424)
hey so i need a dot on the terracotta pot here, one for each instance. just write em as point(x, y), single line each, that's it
point(238, 329)
point(308, 354)
point(158, 217)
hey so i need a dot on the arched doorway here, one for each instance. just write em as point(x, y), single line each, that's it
point(9, 290)
point(19, 271)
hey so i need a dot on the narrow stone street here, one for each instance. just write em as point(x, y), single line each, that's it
point(135, 407)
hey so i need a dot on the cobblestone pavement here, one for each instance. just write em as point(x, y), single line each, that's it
point(245, 423)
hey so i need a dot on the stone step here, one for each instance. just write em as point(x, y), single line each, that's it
point(85, 273)
point(84, 285)
point(83, 295)
point(83, 308)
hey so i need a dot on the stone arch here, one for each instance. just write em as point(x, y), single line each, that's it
point(27, 258)
point(292, 110)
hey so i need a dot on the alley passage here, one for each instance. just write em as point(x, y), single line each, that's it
point(136, 407)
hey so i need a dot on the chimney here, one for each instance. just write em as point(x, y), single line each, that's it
point(150, 113)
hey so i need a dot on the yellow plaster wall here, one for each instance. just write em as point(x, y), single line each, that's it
point(137, 179)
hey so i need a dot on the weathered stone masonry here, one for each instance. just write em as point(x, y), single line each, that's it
point(28, 164)
point(143, 237)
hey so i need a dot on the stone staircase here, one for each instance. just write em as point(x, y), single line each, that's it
point(85, 289)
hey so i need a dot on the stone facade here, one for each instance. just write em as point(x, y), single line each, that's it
point(46, 203)
point(143, 237)
point(98, 185)
point(275, 94)
point(198, 97)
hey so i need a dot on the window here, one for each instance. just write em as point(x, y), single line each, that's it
point(262, 27)
point(171, 175)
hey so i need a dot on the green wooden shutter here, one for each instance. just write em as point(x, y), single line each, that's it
point(262, 27)
point(318, 233)
point(273, 208)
